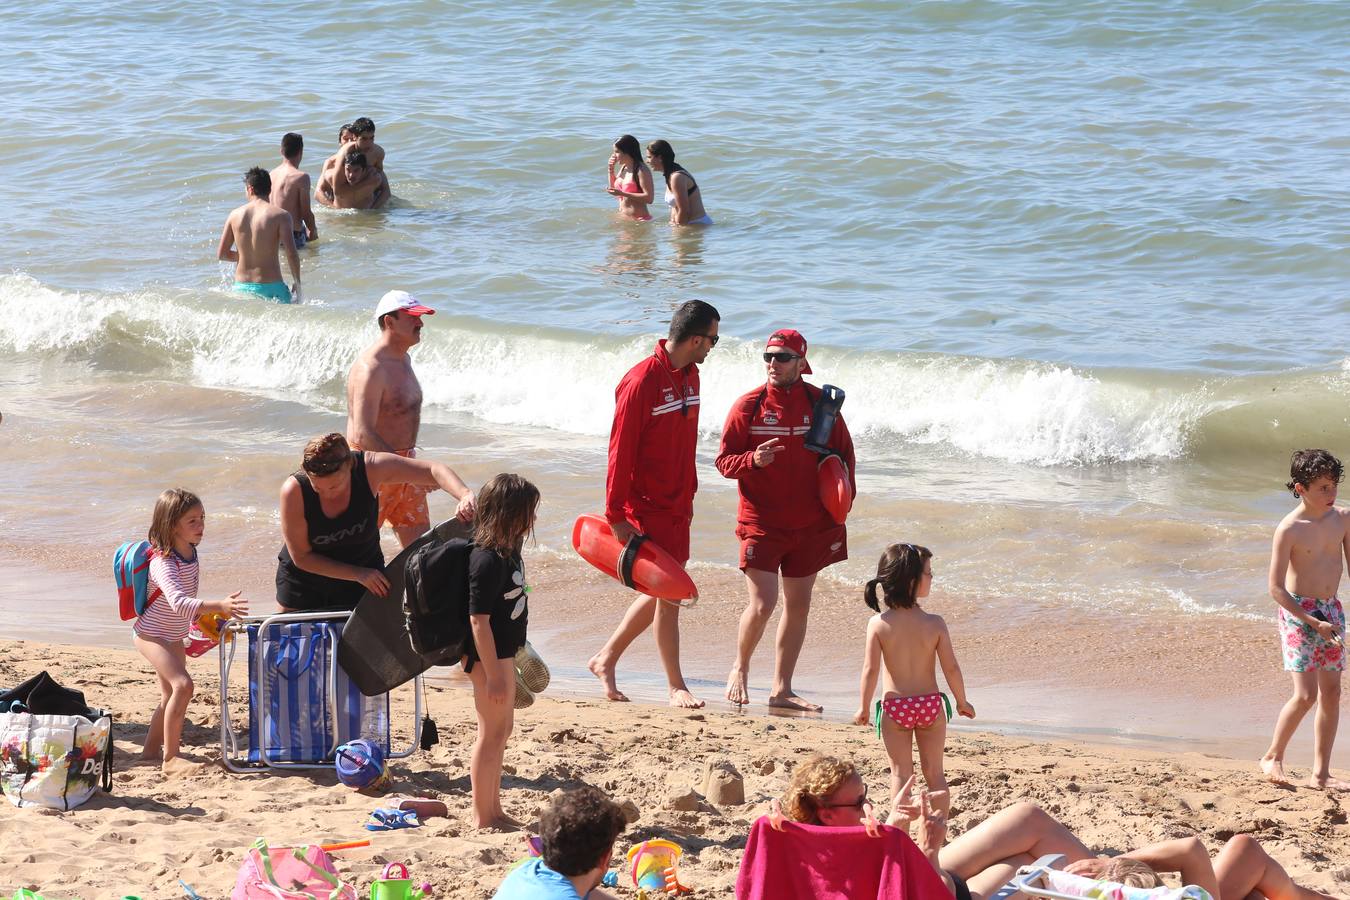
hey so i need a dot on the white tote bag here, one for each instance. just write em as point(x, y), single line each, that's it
point(56, 762)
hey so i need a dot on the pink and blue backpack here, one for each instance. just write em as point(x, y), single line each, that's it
point(131, 570)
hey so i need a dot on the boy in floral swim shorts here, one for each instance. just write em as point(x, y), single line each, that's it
point(1312, 544)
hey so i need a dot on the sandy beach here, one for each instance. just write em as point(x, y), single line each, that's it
point(148, 834)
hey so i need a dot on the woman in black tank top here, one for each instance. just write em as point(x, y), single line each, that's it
point(351, 537)
point(329, 562)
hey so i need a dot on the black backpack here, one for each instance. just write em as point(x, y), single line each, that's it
point(436, 598)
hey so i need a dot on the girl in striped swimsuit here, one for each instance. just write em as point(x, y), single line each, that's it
point(175, 531)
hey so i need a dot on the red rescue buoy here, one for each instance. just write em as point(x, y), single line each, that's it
point(835, 491)
point(652, 571)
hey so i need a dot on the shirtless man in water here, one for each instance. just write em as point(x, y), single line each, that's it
point(359, 137)
point(353, 185)
point(384, 407)
point(253, 233)
point(290, 189)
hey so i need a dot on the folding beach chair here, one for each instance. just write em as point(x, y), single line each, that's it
point(1042, 879)
point(301, 705)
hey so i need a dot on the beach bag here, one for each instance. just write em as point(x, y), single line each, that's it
point(131, 571)
point(55, 751)
point(283, 873)
point(436, 598)
point(292, 718)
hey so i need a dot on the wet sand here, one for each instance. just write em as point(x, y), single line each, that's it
point(1210, 684)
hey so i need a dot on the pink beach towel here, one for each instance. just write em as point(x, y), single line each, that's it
point(811, 862)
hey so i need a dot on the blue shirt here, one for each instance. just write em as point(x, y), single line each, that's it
point(536, 881)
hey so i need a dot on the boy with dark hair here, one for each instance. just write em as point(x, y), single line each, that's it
point(253, 234)
point(577, 832)
point(1311, 547)
point(290, 190)
point(650, 483)
point(363, 132)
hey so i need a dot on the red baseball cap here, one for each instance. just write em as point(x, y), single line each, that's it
point(791, 340)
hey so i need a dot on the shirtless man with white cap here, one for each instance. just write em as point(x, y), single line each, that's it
point(384, 407)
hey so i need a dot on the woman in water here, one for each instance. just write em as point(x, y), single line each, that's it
point(630, 180)
point(686, 203)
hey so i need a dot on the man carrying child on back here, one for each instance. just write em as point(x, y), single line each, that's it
point(1311, 546)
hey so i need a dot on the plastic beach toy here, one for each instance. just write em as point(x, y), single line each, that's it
point(360, 765)
point(391, 887)
point(209, 625)
point(204, 634)
point(653, 866)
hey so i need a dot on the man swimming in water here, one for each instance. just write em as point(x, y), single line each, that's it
point(253, 234)
point(353, 185)
point(290, 189)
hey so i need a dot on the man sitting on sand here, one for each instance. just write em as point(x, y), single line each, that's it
point(290, 189)
point(252, 235)
point(577, 832)
point(353, 185)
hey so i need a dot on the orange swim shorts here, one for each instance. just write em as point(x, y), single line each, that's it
point(404, 505)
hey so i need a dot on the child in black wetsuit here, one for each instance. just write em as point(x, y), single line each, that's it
point(498, 615)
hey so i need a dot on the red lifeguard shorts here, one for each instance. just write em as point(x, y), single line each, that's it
point(797, 552)
point(670, 533)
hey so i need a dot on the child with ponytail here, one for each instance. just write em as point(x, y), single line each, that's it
point(907, 643)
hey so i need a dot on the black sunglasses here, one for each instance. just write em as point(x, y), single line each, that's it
point(856, 804)
point(712, 338)
point(780, 357)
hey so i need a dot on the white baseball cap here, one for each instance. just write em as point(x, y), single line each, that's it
point(401, 300)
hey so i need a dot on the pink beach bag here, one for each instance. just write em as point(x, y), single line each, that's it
point(283, 873)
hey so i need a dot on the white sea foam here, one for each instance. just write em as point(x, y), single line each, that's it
point(1021, 412)
point(1185, 603)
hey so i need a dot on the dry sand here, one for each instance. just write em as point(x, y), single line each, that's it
point(149, 833)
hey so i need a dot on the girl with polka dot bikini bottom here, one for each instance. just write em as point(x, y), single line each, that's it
point(906, 644)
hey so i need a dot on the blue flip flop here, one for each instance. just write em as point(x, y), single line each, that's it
point(392, 820)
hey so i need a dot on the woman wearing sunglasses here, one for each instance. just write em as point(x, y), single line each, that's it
point(825, 790)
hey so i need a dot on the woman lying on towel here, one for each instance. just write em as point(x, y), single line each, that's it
point(824, 790)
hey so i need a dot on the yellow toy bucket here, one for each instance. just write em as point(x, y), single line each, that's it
point(649, 860)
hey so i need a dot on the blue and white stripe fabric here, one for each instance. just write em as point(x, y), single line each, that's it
point(290, 715)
